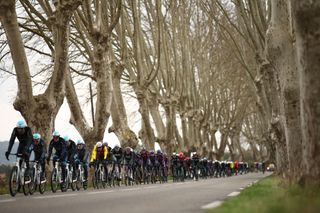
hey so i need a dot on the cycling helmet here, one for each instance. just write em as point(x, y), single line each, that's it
point(21, 124)
point(79, 141)
point(98, 144)
point(174, 154)
point(55, 134)
point(159, 151)
point(66, 138)
point(151, 152)
point(105, 143)
point(36, 136)
point(128, 149)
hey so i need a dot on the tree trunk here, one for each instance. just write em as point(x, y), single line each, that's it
point(281, 54)
point(118, 113)
point(307, 22)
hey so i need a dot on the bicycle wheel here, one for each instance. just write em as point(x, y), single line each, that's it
point(79, 180)
point(54, 180)
point(73, 183)
point(33, 183)
point(26, 182)
point(14, 181)
point(94, 183)
point(43, 185)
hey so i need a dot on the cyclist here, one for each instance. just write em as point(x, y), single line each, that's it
point(153, 159)
point(110, 158)
point(24, 135)
point(71, 151)
point(160, 162)
point(181, 167)
point(99, 155)
point(82, 156)
point(59, 145)
point(195, 165)
point(40, 151)
point(118, 154)
point(128, 157)
point(174, 164)
point(145, 159)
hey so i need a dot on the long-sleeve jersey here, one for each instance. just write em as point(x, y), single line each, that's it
point(60, 148)
point(82, 154)
point(25, 139)
point(96, 154)
point(71, 149)
point(39, 149)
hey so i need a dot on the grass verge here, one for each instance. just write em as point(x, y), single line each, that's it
point(273, 195)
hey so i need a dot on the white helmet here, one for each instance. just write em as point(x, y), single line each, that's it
point(98, 144)
point(79, 141)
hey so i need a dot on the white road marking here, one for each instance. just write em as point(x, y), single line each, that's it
point(241, 188)
point(232, 194)
point(100, 192)
point(8, 200)
point(55, 196)
point(212, 205)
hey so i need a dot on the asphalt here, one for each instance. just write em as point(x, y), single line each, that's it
point(189, 196)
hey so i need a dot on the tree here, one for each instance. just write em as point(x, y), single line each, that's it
point(40, 110)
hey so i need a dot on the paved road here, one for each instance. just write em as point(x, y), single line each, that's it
point(171, 197)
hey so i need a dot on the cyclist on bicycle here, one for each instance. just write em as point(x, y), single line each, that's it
point(128, 157)
point(59, 145)
point(24, 135)
point(99, 155)
point(153, 159)
point(40, 151)
point(82, 156)
point(145, 158)
point(110, 159)
point(71, 150)
point(174, 163)
point(160, 159)
point(118, 154)
point(195, 165)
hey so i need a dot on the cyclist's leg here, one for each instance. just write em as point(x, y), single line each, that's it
point(85, 170)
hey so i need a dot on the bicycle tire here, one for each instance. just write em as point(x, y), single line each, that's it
point(14, 175)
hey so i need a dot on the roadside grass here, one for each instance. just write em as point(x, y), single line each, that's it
point(273, 195)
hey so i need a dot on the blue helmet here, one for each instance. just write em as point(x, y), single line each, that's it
point(66, 138)
point(55, 133)
point(36, 136)
point(21, 124)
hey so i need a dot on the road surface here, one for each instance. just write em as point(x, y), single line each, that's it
point(184, 197)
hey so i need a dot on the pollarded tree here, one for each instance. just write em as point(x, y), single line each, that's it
point(40, 110)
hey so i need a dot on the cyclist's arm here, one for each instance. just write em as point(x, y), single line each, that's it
point(44, 149)
point(12, 138)
point(86, 156)
point(105, 151)
point(29, 141)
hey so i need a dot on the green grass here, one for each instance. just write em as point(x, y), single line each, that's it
point(273, 195)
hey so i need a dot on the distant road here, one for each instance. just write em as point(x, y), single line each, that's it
point(184, 197)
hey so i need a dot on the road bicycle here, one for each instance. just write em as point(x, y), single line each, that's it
point(18, 177)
